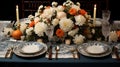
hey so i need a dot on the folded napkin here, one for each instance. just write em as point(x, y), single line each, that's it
point(64, 55)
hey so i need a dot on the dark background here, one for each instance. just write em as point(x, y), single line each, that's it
point(8, 12)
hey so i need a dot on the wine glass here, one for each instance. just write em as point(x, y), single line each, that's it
point(106, 29)
point(105, 23)
point(49, 32)
point(106, 15)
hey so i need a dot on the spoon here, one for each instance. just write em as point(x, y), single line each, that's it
point(57, 48)
point(72, 51)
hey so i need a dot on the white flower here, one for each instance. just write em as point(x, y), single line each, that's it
point(80, 20)
point(48, 13)
point(7, 31)
point(78, 4)
point(93, 31)
point(66, 24)
point(29, 31)
point(61, 15)
point(37, 14)
point(55, 21)
point(40, 7)
point(60, 8)
point(73, 32)
point(76, 7)
point(31, 17)
point(68, 3)
point(113, 36)
point(54, 4)
point(23, 27)
point(78, 39)
point(36, 19)
point(40, 28)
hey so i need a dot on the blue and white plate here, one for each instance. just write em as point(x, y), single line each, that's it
point(106, 49)
point(23, 51)
point(31, 48)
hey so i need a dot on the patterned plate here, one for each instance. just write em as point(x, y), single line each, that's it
point(82, 49)
point(17, 49)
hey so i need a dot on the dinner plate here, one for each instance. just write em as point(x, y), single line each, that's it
point(95, 48)
point(106, 49)
point(31, 48)
point(17, 49)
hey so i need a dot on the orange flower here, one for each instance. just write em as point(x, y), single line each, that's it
point(118, 33)
point(60, 33)
point(31, 24)
point(82, 12)
point(73, 11)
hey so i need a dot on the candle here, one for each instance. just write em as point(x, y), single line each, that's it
point(40, 40)
point(67, 41)
point(94, 15)
point(17, 14)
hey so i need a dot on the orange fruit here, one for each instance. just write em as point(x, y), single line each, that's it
point(17, 34)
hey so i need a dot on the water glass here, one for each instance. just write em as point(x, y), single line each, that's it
point(106, 27)
point(49, 32)
point(106, 14)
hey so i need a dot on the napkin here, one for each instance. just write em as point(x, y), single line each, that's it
point(2, 54)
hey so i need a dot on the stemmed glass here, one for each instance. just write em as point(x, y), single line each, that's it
point(49, 32)
point(105, 23)
point(106, 15)
point(106, 30)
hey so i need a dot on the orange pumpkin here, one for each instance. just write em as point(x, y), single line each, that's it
point(17, 34)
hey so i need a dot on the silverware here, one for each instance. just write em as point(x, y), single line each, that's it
point(72, 51)
point(50, 53)
point(57, 48)
point(115, 51)
point(78, 54)
point(9, 53)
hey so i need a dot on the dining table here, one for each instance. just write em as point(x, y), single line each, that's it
point(42, 60)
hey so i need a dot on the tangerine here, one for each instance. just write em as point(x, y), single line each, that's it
point(17, 34)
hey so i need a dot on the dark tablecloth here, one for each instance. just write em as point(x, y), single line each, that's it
point(39, 61)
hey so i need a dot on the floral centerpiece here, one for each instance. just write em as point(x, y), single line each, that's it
point(69, 21)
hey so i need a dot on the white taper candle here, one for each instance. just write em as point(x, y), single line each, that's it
point(17, 14)
point(94, 15)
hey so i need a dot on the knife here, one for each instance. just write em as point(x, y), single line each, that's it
point(57, 49)
point(115, 51)
point(50, 53)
